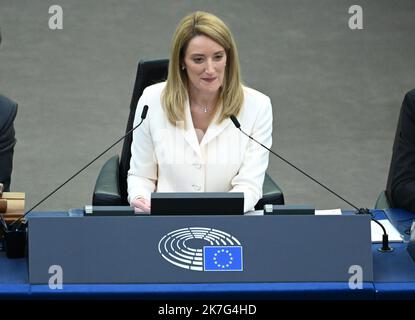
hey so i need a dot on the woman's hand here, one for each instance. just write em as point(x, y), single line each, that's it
point(141, 205)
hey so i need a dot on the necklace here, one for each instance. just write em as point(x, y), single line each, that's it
point(204, 108)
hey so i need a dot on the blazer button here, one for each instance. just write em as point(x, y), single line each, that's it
point(196, 187)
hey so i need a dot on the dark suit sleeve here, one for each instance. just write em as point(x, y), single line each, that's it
point(8, 110)
point(401, 181)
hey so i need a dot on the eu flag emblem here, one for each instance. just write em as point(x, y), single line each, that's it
point(222, 258)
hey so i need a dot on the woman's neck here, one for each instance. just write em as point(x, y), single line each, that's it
point(203, 99)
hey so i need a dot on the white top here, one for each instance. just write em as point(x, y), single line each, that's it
point(167, 158)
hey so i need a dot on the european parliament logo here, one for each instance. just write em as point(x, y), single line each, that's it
point(202, 249)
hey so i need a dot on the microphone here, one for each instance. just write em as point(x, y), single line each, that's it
point(385, 238)
point(18, 221)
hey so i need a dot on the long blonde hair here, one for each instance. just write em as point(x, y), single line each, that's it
point(175, 93)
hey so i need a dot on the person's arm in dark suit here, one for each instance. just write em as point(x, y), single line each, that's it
point(8, 110)
point(401, 182)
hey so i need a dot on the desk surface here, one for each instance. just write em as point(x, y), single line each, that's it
point(394, 272)
point(14, 284)
point(394, 277)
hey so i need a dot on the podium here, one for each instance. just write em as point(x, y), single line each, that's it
point(199, 249)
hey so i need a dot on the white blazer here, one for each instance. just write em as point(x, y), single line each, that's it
point(167, 158)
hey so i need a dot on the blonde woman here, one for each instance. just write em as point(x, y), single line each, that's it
point(188, 143)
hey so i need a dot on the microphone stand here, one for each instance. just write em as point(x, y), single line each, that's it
point(385, 238)
point(14, 248)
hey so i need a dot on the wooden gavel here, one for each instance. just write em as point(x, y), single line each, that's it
point(11, 203)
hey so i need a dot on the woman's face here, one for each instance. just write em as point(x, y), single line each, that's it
point(205, 62)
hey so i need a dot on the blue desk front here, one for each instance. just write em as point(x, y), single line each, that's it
point(14, 284)
point(394, 272)
point(394, 277)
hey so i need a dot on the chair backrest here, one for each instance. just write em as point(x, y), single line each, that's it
point(8, 111)
point(148, 72)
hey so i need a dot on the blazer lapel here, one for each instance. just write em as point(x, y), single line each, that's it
point(214, 129)
point(189, 133)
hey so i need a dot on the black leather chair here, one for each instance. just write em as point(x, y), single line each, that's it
point(111, 184)
point(8, 111)
point(382, 202)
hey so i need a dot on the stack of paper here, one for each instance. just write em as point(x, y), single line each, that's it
point(377, 232)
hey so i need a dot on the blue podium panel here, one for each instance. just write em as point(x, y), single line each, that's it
point(13, 278)
point(200, 249)
point(14, 285)
point(394, 273)
point(210, 291)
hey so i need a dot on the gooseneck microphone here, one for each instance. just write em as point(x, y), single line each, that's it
point(18, 221)
point(385, 238)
